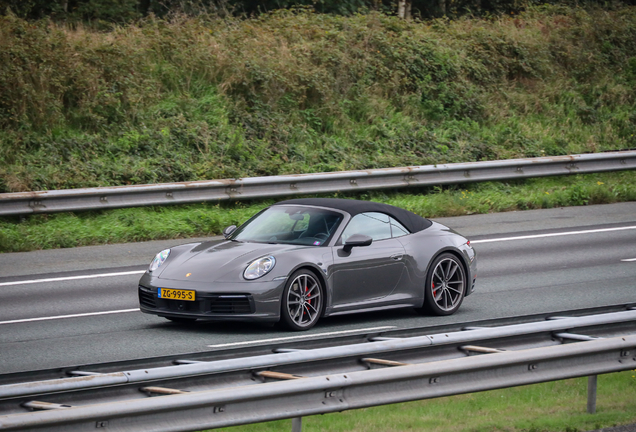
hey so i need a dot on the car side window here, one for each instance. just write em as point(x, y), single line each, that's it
point(374, 225)
point(397, 229)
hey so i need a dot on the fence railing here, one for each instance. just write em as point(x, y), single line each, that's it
point(288, 185)
point(294, 383)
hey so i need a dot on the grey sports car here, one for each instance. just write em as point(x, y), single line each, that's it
point(303, 259)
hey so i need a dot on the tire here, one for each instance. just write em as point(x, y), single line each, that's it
point(181, 320)
point(445, 285)
point(302, 301)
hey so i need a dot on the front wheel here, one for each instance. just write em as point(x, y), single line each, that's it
point(445, 285)
point(302, 301)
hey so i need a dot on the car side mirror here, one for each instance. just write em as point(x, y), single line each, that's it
point(229, 230)
point(357, 240)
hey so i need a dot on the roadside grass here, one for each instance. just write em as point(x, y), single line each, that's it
point(67, 230)
point(547, 407)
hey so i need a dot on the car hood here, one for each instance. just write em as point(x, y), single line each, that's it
point(214, 261)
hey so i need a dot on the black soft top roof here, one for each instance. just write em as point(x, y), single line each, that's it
point(411, 221)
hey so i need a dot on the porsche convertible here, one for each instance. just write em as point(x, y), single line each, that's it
point(303, 259)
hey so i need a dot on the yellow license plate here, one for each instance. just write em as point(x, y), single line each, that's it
point(176, 294)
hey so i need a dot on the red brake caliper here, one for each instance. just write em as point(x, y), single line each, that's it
point(433, 286)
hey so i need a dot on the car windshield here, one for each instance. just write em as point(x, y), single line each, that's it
point(289, 224)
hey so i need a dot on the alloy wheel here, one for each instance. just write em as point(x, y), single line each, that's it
point(304, 301)
point(448, 283)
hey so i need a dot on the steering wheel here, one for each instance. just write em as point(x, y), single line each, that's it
point(321, 236)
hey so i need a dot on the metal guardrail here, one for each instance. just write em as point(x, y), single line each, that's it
point(329, 379)
point(287, 185)
point(306, 356)
point(338, 392)
point(295, 342)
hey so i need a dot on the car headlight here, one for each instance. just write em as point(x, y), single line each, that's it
point(159, 259)
point(259, 268)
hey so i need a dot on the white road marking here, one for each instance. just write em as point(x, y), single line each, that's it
point(102, 275)
point(629, 260)
point(289, 338)
point(552, 235)
point(59, 279)
point(69, 316)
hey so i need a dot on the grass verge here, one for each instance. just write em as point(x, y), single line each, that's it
point(65, 230)
point(547, 407)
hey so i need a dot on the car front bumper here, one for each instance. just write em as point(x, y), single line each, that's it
point(249, 301)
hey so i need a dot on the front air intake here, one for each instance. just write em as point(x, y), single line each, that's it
point(228, 304)
point(147, 298)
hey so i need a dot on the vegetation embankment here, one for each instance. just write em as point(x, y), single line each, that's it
point(296, 92)
point(551, 407)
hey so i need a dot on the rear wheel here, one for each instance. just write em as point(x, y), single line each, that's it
point(445, 285)
point(302, 301)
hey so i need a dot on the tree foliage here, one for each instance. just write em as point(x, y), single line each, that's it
point(121, 11)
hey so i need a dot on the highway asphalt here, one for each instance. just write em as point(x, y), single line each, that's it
point(538, 261)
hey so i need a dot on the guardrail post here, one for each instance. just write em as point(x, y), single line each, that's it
point(297, 424)
point(591, 394)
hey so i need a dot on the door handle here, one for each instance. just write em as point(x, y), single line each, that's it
point(397, 257)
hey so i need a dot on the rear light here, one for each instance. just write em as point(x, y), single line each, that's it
point(468, 242)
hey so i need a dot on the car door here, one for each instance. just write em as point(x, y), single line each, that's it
point(367, 273)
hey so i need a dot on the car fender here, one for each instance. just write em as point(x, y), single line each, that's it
point(320, 274)
point(465, 262)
